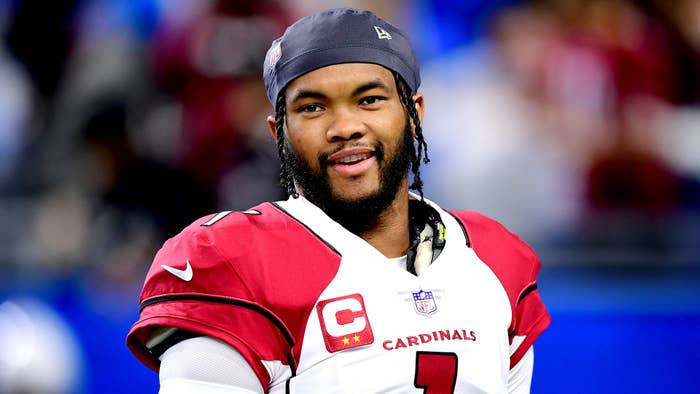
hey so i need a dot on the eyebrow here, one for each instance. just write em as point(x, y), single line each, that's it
point(375, 84)
point(304, 94)
point(314, 94)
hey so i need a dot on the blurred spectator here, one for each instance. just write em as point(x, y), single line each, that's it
point(40, 36)
point(492, 146)
point(151, 125)
point(212, 66)
point(633, 194)
point(574, 109)
point(126, 181)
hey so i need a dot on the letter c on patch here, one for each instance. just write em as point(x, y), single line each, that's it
point(344, 322)
point(337, 313)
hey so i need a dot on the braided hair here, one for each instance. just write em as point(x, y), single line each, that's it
point(416, 155)
point(421, 151)
point(286, 177)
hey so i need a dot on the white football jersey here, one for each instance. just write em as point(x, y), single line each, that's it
point(314, 308)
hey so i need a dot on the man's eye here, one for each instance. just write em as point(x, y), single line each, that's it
point(311, 108)
point(370, 100)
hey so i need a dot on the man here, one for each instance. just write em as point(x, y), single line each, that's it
point(353, 284)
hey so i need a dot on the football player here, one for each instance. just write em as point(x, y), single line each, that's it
point(354, 284)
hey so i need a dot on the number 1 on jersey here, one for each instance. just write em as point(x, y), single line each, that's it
point(436, 373)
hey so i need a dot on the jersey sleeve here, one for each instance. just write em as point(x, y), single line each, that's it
point(516, 266)
point(237, 277)
point(209, 298)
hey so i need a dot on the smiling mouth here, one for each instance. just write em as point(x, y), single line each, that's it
point(349, 156)
point(351, 162)
point(352, 159)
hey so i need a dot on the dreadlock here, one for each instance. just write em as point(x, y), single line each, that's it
point(416, 155)
point(421, 151)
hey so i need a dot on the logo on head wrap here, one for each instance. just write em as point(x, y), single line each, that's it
point(275, 54)
point(381, 33)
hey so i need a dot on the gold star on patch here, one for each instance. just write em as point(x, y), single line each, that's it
point(346, 341)
point(356, 338)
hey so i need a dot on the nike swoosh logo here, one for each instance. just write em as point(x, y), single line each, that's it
point(185, 274)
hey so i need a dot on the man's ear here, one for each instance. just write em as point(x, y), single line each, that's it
point(419, 103)
point(271, 125)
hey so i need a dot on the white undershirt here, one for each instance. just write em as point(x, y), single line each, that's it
point(205, 365)
point(400, 262)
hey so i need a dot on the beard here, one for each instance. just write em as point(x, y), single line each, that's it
point(358, 214)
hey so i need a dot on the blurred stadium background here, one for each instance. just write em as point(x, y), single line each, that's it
point(574, 122)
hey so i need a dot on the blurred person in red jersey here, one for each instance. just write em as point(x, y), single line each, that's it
point(210, 64)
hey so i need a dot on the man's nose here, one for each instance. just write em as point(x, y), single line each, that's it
point(346, 125)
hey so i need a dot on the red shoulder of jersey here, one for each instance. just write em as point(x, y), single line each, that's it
point(516, 265)
point(247, 278)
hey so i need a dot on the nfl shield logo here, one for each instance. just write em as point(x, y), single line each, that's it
point(424, 302)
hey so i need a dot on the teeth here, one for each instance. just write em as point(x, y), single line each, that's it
point(352, 158)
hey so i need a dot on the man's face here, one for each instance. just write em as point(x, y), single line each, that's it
point(350, 140)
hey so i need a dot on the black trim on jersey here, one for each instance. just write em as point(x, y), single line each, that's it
point(461, 225)
point(178, 336)
point(222, 300)
point(527, 291)
point(308, 228)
